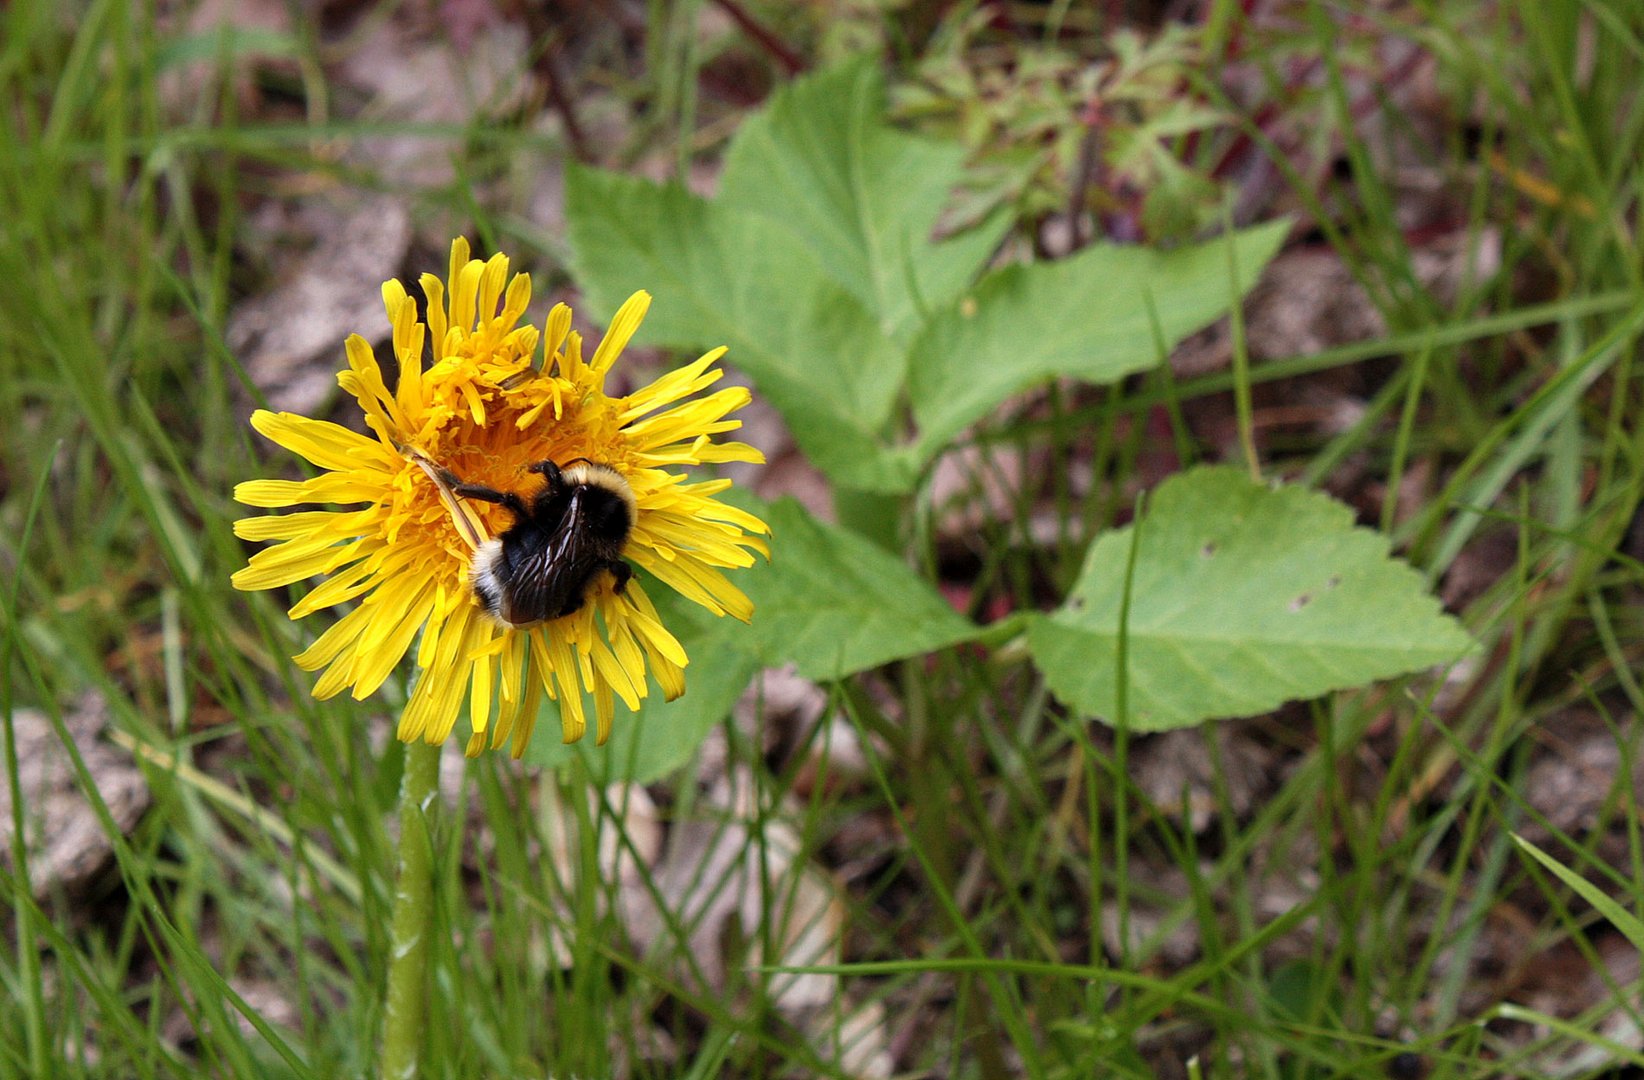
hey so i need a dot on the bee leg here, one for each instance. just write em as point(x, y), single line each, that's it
point(446, 482)
point(550, 471)
point(438, 473)
point(622, 572)
point(506, 499)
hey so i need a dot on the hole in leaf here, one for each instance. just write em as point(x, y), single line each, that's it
point(1301, 601)
point(1335, 580)
point(1209, 549)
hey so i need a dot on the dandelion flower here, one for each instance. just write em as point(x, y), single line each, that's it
point(486, 411)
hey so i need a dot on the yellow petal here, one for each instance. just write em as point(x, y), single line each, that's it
point(559, 324)
point(511, 665)
point(393, 295)
point(340, 524)
point(666, 570)
point(526, 723)
point(668, 676)
point(620, 332)
point(408, 337)
point(331, 644)
point(328, 445)
point(718, 545)
point(608, 671)
point(718, 511)
point(440, 683)
point(473, 629)
point(465, 295)
point(269, 493)
point(403, 615)
point(517, 300)
point(459, 259)
point(716, 452)
point(690, 420)
point(363, 379)
point(339, 588)
point(433, 291)
point(325, 488)
point(627, 650)
point(494, 273)
point(481, 682)
point(555, 660)
point(642, 618)
point(414, 720)
point(285, 563)
point(676, 384)
point(604, 710)
point(444, 704)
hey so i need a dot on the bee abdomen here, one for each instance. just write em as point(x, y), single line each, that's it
point(485, 578)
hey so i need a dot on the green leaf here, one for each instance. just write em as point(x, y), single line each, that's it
point(725, 278)
point(1086, 316)
point(1243, 597)
point(834, 603)
point(863, 196)
point(816, 267)
point(1622, 919)
point(223, 42)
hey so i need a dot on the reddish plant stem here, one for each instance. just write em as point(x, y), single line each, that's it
point(780, 50)
point(554, 75)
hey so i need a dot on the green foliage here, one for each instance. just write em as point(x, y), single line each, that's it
point(1097, 316)
point(724, 277)
point(1630, 925)
point(816, 266)
point(833, 603)
point(1147, 105)
point(1306, 995)
point(1044, 126)
point(863, 197)
point(1241, 597)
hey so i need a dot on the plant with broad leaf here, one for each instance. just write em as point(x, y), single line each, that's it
point(882, 346)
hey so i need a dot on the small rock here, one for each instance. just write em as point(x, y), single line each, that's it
point(67, 845)
point(291, 338)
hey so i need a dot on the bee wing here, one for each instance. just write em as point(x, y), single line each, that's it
point(551, 576)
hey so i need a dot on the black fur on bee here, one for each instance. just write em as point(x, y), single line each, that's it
point(575, 526)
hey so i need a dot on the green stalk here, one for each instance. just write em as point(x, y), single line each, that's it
point(1241, 355)
point(404, 1018)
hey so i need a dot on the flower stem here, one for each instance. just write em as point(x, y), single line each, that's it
point(404, 1019)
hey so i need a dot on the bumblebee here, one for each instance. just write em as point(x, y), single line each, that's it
point(570, 530)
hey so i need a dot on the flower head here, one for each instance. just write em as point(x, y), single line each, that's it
point(484, 411)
